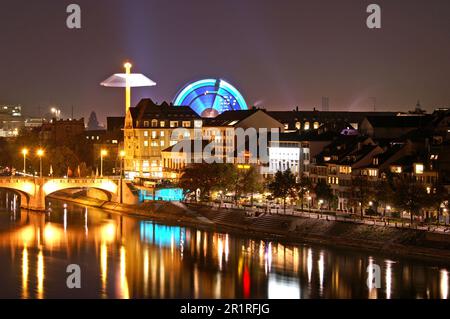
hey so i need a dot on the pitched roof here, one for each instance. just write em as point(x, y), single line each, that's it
point(230, 118)
point(147, 109)
point(400, 121)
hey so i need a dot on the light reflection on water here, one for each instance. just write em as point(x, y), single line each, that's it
point(126, 257)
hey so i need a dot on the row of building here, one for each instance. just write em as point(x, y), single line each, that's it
point(160, 140)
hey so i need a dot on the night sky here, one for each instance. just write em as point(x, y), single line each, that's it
point(278, 53)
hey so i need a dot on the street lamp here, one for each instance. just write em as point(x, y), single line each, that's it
point(24, 153)
point(103, 153)
point(40, 153)
point(122, 156)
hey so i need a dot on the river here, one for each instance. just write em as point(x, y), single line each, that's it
point(127, 257)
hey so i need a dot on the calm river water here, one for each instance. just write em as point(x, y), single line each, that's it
point(126, 257)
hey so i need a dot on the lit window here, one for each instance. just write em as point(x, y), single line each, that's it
point(173, 123)
point(145, 133)
point(162, 143)
point(396, 169)
point(153, 134)
point(306, 127)
point(186, 124)
point(154, 143)
point(286, 126)
point(418, 168)
point(373, 172)
point(162, 124)
point(161, 133)
point(327, 158)
point(298, 125)
point(316, 125)
point(198, 124)
point(114, 141)
point(145, 143)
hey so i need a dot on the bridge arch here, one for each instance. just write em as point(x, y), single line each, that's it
point(24, 197)
point(107, 186)
point(34, 190)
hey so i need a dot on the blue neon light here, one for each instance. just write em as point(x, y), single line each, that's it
point(163, 194)
point(162, 235)
point(211, 94)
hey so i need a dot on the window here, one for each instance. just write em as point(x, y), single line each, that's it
point(162, 124)
point(161, 133)
point(373, 172)
point(345, 169)
point(114, 141)
point(145, 133)
point(173, 123)
point(396, 169)
point(298, 125)
point(154, 143)
point(316, 125)
point(306, 127)
point(145, 143)
point(286, 126)
point(198, 124)
point(154, 134)
point(418, 168)
point(146, 124)
point(162, 143)
point(186, 124)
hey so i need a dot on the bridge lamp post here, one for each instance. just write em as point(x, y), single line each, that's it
point(24, 153)
point(122, 156)
point(40, 153)
point(103, 153)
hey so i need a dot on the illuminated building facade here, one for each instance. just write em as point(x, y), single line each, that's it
point(149, 129)
point(211, 97)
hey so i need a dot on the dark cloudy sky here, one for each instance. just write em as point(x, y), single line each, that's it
point(279, 53)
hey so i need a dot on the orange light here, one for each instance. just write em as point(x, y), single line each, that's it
point(40, 152)
point(24, 151)
point(122, 153)
point(103, 153)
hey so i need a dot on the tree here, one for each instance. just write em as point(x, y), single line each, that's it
point(283, 186)
point(248, 181)
point(384, 193)
point(208, 177)
point(410, 196)
point(323, 191)
point(361, 193)
point(438, 195)
point(303, 188)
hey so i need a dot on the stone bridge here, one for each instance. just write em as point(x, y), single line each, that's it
point(33, 190)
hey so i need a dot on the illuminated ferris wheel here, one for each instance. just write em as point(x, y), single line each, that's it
point(211, 97)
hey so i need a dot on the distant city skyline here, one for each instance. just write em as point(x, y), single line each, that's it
point(279, 59)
